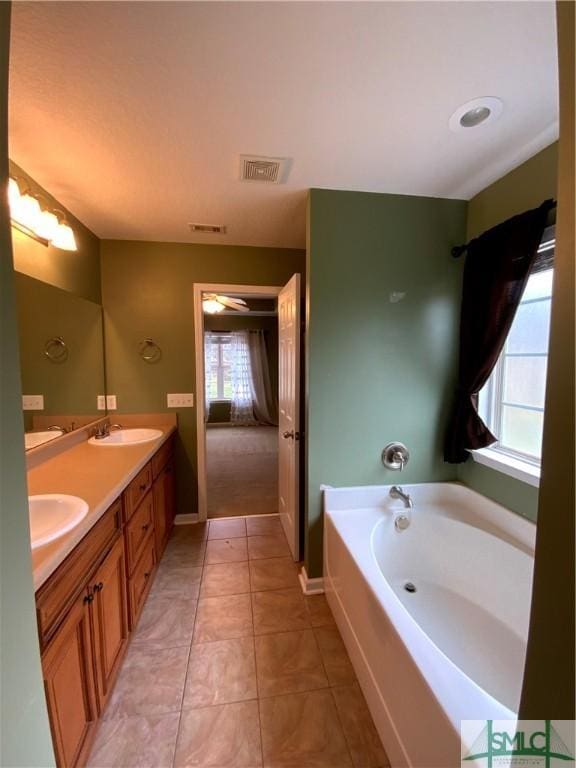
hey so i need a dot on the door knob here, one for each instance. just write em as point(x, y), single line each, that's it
point(288, 434)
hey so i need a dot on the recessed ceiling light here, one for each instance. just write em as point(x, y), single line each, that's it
point(481, 111)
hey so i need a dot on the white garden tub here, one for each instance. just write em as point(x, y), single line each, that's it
point(454, 648)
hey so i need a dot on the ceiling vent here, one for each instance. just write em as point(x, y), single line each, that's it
point(210, 229)
point(270, 170)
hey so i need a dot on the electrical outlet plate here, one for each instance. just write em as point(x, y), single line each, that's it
point(180, 400)
point(111, 402)
point(32, 402)
point(101, 402)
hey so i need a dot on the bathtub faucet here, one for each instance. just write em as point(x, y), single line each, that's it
point(396, 492)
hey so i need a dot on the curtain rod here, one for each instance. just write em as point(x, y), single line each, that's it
point(459, 250)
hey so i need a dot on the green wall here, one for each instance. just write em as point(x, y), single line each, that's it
point(75, 271)
point(523, 188)
point(147, 291)
point(377, 370)
point(25, 734)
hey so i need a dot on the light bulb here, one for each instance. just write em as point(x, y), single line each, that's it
point(13, 193)
point(64, 239)
point(474, 117)
point(47, 225)
point(26, 212)
point(212, 307)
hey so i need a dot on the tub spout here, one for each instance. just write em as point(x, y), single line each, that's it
point(396, 492)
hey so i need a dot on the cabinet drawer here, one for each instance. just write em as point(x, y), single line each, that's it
point(138, 529)
point(136, 491)
point(162, 457)
point(141, 580)
point(55, 597)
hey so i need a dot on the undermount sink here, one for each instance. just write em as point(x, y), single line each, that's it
point(52, 515)
point(127, 437)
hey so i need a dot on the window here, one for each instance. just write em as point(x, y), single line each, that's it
point(218, 367)
point(512, 402)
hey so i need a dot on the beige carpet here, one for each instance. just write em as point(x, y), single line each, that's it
point(242, 470)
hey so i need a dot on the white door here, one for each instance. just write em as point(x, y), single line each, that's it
point(289, 406)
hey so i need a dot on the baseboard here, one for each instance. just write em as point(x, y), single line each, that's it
point(187, 519)
point(310, 586)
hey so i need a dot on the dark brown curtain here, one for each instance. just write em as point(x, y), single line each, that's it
point(497, 267)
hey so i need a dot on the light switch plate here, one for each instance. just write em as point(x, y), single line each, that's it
point(101, 402)
point(111, 402)
point(32, 402)
point(180, 400)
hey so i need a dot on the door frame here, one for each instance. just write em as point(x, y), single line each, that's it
point(255, 291)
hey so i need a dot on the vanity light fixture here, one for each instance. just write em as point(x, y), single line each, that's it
point(42, 224)
point(476, 112)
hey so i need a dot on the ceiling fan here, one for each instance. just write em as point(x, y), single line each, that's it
point(212, 303)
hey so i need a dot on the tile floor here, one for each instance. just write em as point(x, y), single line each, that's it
point(232, 667)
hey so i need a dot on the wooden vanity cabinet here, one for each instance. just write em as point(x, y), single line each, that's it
point(90, 604)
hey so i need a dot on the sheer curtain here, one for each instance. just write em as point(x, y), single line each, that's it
point(209, 344)
point(242, 411)
point(265, 404)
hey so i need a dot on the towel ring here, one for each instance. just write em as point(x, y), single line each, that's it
point(149, 351)
point(56, 350)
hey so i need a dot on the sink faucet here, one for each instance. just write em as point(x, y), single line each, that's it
point(56, 428)
point(396, 492)
point(102, 431)
point(116, 426)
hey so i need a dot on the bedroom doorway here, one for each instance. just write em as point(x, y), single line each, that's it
point(247, 383)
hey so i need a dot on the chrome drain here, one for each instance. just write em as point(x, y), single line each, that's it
point(409, 587)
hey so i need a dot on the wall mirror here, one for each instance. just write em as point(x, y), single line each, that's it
point(61, 359)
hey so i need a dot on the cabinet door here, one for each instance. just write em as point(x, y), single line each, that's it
point(138, 529)
point(160, 521)
point(141, 580)
point(109, 619)
point(169, 494)
point(164, 507)
point(69, 685)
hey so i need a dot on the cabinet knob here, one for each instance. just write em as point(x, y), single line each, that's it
point(146, 526)
point(147, 575)
point(142, 487)
point(89, 598)
point(98, 587)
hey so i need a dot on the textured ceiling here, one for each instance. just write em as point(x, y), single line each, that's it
point(134, 114)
